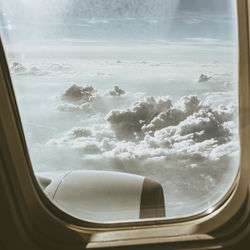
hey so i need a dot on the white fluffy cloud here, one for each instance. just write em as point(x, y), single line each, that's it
point(84, 98)
point(78, 93)
point(154, 128)
point(127, 123)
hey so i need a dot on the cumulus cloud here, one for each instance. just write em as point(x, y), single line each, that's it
point(19, 69)
point(156, 129)
point(78, 93)
point(204, 78)
point(84, 98)
point(42, 69)
point(127, 123)
point(94, 140)
point(116, 91)
point(70, 107)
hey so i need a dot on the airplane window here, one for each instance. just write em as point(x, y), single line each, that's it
point(129, 107)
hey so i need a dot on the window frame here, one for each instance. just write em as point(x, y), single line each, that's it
point(44, 224)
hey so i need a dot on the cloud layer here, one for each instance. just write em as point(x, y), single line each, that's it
point(155, 129)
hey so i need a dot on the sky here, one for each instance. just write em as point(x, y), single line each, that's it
point(169, 20)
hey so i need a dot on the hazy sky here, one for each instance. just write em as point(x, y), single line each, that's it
point(170, 20)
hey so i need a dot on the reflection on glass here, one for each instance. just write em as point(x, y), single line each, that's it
point(146, 87)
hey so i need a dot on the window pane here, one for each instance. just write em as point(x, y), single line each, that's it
point(145, 87)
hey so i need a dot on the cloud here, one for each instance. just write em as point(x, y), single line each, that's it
point(203, 40)
point(46, 69)
point(127, 123)
point(192, 21)
point(78, 93)
point(116, 91)
point(95, 21)
point(85, 98)
point(155, 129)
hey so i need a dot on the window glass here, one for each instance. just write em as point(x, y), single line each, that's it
point(144, 87)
